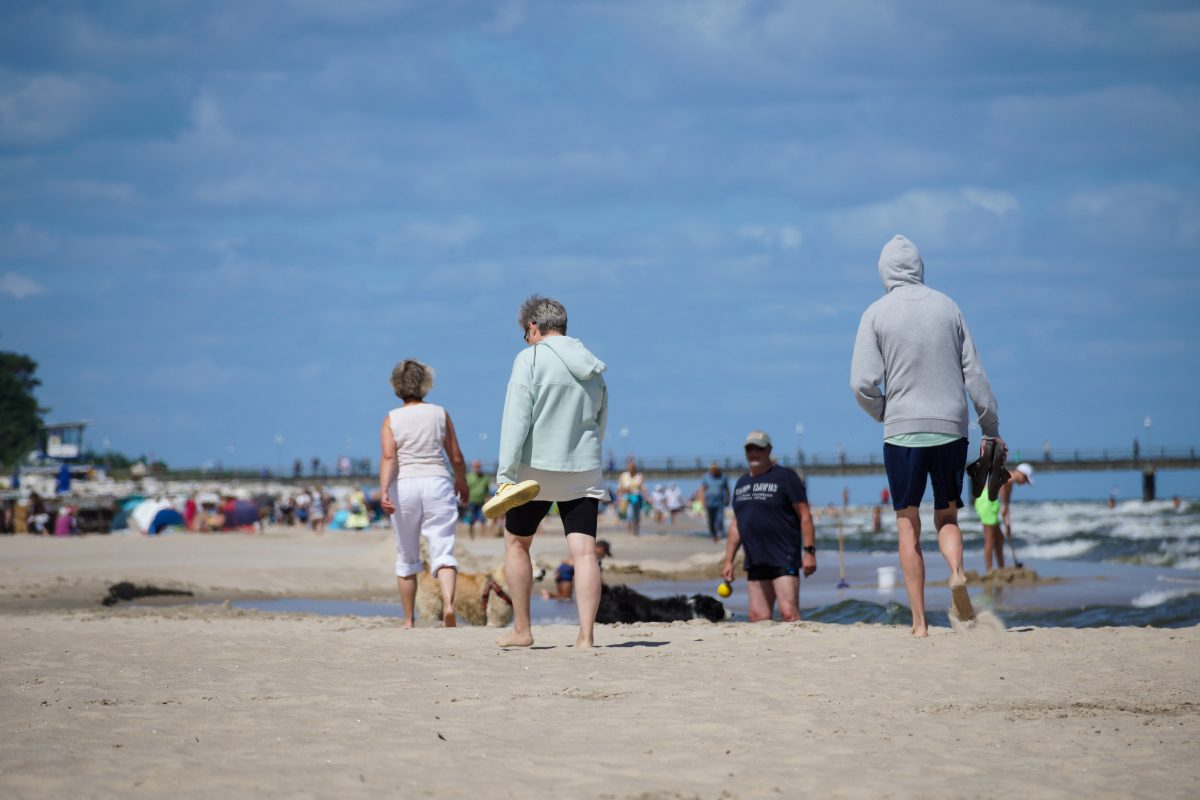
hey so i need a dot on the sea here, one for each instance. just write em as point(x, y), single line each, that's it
point(1137, 563)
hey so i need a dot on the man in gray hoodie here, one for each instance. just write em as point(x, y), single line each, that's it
point(913, 361)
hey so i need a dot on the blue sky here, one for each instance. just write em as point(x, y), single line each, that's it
point(224, 221)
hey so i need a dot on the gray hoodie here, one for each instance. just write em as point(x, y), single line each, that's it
point(555, 410)
point(913, 344)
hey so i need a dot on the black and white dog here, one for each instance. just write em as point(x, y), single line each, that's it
point(622, 604)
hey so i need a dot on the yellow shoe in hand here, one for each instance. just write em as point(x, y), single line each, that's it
point(510, 495)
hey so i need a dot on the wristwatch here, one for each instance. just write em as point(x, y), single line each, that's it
point(810, 549)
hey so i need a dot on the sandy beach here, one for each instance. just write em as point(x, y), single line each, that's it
point(198, 701)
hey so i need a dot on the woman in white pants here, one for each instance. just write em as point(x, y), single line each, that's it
point(416, 439)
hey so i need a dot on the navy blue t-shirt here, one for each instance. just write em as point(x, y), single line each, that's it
point(766, 517)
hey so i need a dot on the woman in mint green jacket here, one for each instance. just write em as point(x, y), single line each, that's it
point(555, 412)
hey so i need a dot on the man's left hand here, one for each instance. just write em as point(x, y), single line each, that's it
point(809, 564)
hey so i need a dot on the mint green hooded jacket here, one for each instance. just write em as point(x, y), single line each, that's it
point(555, 411)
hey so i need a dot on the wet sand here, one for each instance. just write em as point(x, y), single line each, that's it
point(204, 701)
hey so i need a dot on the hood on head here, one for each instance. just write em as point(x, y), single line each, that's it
point(579, 359)
point(900, 264)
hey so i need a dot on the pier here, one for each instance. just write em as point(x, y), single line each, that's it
point(807, 464)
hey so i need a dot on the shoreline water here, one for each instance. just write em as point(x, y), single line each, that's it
point(355, 566)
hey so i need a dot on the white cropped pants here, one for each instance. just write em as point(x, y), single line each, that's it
point(426, 507)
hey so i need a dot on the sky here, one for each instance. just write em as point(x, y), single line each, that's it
point(222, 223)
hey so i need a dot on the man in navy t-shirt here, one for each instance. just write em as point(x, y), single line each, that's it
point(772, 521)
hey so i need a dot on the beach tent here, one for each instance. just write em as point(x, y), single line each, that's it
point(166, 518)
point(120, 520)
point(142, 517)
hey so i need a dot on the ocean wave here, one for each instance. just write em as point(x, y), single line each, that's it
point(1156, 597)
point(1072, 548)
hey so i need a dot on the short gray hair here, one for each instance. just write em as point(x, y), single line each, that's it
point(549, 315)
point(412, 380)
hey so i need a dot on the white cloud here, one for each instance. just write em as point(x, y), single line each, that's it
point(785, 237)
point(1135, 212)
point(46, 108)
point(19, 286)
point(999, 203)
point(26, 242)
point(964, 217)
point(510, 16)
point(105, 191)
point(454, 233)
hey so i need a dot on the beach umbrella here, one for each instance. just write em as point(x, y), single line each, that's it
point(167, 517)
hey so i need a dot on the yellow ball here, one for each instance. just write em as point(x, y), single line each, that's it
point(724, 589)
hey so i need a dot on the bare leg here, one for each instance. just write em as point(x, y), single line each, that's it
point(448, 579)
point(950, 542)
point(787, 590)
point(408, 597)
point(992, 545)
point(761, 595)
point(587, 585)
point(518, 569)
point(908, 529)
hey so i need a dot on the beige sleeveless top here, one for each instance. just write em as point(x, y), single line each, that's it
point(420, 434)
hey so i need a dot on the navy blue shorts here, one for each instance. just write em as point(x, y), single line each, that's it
point(907, 468)
point(768, 572)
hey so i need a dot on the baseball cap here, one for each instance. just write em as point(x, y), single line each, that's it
point(758, 438)
point(1028, 470)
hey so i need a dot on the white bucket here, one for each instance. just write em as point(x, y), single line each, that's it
point(887, 577)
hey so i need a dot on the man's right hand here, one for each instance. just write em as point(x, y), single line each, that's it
point(727, 571)
point(1000, 445)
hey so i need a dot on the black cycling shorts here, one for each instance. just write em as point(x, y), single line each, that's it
point(578, 516)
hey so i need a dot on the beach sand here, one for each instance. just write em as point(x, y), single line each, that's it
point(203, 701)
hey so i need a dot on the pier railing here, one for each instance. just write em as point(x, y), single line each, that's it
point(809, 464)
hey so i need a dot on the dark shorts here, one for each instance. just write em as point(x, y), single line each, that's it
point(578, 516)
point(475, 512)
point(766, 572)
point(908, 467)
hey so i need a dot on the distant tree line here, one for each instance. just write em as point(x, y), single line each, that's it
point(20, 414)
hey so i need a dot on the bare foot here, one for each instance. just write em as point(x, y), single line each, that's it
point(920, 633)
point(961, 599)
point(408, 623)
point(449, 620)
point(515, 639)
point(584, 643)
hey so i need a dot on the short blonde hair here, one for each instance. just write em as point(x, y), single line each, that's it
point(412, 380)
